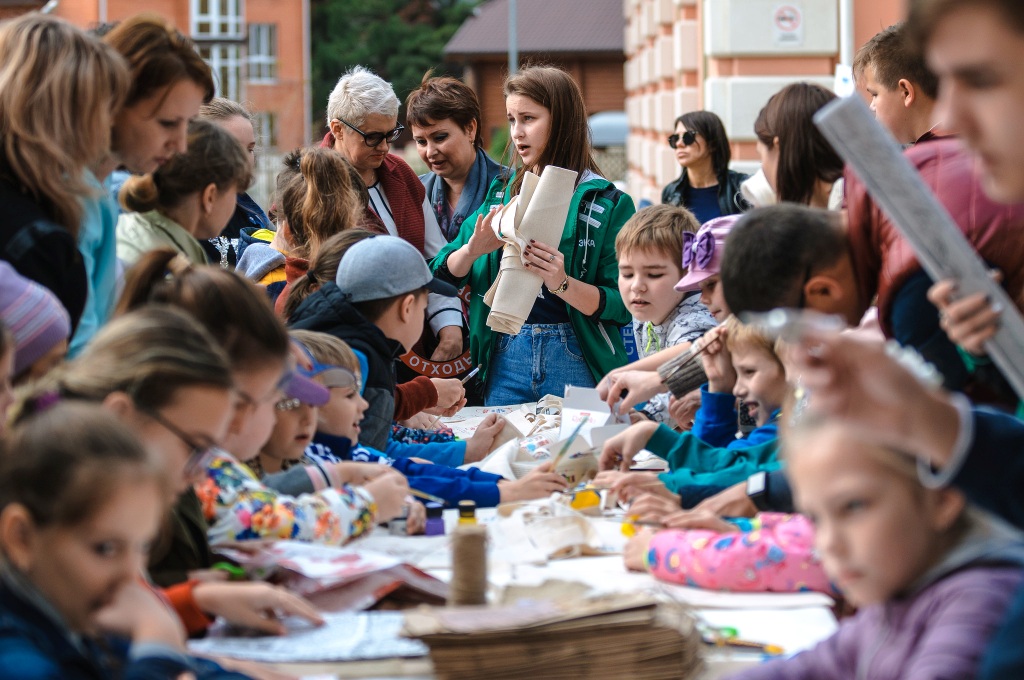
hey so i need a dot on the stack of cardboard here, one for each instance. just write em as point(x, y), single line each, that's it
point(620, 636)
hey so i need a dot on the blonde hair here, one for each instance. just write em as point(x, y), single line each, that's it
point(149, 354)
point(657, 229)
point(746, 336)
point(221, 108)
point(213, 157)
point(321, 201)
point(327, 349)
point(59, 89)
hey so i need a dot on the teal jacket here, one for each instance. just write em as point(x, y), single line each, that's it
point(693, 462)
point(596, 214)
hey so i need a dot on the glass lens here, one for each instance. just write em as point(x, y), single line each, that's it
point(672, 141)
point(689, 137)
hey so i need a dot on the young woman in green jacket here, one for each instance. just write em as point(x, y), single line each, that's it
point(572, 334)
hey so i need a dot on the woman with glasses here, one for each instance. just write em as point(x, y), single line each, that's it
point(166, 380)
point(362, 113)
point(706, 187)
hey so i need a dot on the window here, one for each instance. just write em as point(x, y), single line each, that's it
point(217, 19)
point(262, 52)
point(265, 126)
point(226, 63)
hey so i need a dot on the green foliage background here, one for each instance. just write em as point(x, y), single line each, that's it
point(397, 39)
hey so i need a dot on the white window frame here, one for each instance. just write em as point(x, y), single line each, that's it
point(262, 58)
point(222, 19)
point(225, 60)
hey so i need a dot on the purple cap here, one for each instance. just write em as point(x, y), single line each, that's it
point(308, 391)
point(702, 253)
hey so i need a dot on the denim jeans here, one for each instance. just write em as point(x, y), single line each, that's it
point(541, 359)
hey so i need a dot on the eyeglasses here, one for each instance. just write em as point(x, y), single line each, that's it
point(688, 137)
point(288, 404)
point(199, 456)
point(373, 139)
point(338, 376)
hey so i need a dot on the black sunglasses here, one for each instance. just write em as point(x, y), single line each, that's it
point(373, 139)
point(199, 456)
point(689, 137)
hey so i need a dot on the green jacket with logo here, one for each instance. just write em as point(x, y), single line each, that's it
point(597, 212)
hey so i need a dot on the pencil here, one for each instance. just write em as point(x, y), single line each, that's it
point(470, 375)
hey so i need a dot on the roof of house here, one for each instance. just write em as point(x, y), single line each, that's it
point(543, 26)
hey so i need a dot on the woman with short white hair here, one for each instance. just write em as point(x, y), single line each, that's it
point(362, 113)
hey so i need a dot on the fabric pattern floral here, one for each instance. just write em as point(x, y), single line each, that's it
point(775, 553)
point(239, 507)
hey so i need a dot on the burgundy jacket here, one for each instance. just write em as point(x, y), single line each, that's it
point(883, 260)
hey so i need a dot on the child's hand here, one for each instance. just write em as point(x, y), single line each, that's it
point(636, 549)
point(969, 322)
point(358, 474)
point(651, 507)
point(389, 492)
point(253, 605)
point(639, 386)
point(420, 421)
point(733, 502)
point(632, 485)
point(416, 520)
point(718, 361)
point(139, 613)
point(540, 482)
point(684, 410)
point(619, 451)
point(480, 443)
point(450, 394)
point(697, 519)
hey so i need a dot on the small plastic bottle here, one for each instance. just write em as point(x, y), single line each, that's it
point(435, 520)
point(467, 512)
point(399, 525)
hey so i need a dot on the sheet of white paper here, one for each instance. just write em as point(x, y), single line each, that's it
point(346, 636)
point(795, 630)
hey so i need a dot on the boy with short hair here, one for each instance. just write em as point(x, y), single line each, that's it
point(376, 304)
point(741, 363)
point(902, 89)
point(650, 249)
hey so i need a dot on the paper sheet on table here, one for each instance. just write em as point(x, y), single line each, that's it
point(346, 636)
point(539, 213)
point(795, 630)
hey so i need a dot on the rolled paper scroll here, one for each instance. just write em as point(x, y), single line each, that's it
point(539, 213)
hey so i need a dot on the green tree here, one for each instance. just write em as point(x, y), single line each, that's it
point(397, 39)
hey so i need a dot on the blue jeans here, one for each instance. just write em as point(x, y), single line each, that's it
point(541, 359)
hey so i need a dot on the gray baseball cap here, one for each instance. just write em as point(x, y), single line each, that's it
point(385, 266)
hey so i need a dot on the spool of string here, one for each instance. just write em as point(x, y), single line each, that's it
point(469, 566)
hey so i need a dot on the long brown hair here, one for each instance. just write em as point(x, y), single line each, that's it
point(59, 89)
point(322, 268)
point(159, 56)
point(568, 143)
point(321, 201)
point(805, 156)
point(232, 309)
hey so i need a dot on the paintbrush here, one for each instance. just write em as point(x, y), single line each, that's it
point(427, 497)
point(568, 442)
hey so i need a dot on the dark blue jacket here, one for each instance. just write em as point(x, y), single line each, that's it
point(34, 647)
point(451, 484)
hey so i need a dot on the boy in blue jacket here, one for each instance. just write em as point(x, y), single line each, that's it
point(740, 363)
point(336, 366)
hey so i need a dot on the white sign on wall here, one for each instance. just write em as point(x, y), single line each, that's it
point(788, 25)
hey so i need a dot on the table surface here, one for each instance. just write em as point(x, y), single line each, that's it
point(794, 621)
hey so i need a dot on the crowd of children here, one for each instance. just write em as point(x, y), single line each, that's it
point(177, 370)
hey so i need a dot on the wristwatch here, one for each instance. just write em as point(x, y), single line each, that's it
point(757, 490)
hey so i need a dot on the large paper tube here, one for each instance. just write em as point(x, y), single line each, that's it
point(539, 213)
point(941, 248)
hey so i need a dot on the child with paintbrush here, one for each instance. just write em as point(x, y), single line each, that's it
point(331, 362)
